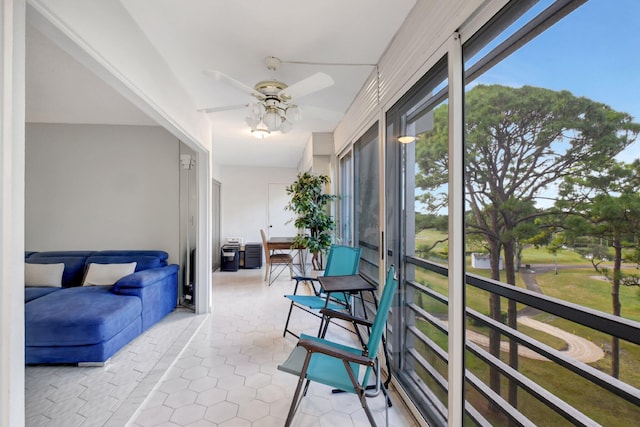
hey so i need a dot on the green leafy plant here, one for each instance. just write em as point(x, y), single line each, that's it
point(309, 202)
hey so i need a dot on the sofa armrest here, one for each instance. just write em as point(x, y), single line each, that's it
point(144, 278)
point(157, 289)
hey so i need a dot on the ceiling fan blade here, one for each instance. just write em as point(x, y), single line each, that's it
point(225, 108)
point(234, 83)
point(313, 83)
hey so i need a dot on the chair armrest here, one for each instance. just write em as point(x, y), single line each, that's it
point(299, 279)
point(320, 347)
point(345, 316)
point(304, 278)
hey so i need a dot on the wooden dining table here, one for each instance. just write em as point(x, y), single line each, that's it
point(280, 244)
point(283, 243)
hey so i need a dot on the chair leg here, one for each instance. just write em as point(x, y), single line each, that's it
point(274, 268)
point(267, 268)
point(386, 396)
point(324, 324)
point(275, 272)
point(367, 411)
point(296, 401)
point(387, 402)
point(286, 328)
point(286, 325)
point(306, 387)
point(361, 393)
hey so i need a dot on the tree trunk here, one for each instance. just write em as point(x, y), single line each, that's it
point(512, 318)
point(494, 313)
point(316, 261)
point(615, 300)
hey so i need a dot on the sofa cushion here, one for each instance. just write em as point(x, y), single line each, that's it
point(43, 274)
point(145, 259)
point(107, 274)
point(32, 293)
point(74, 264)
point(98, 314)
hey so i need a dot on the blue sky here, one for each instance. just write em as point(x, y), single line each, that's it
point(593, 52)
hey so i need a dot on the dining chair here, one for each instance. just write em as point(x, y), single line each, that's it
point(276, 262)
point(340, 366)
point(341, 261)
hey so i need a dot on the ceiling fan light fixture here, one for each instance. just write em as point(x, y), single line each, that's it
point(256, 109)
point(272, 119)
point(293, 113)
point(286, 126)
point(252, 121)
point(260, 131)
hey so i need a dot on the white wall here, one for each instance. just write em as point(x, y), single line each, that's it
point(317, 154)
point(244, 198)
point(12, 107)
point(101, 187)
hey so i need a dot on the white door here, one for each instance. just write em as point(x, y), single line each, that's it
point(215, 224)
point(280, 220)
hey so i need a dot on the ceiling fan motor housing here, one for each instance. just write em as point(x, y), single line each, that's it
point(271, 88)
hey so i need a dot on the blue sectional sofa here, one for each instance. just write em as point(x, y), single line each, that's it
point(72, 323)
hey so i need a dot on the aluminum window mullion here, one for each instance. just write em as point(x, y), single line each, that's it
point(456, 312)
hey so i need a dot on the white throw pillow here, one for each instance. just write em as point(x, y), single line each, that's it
point(107, 274)
point(49, 275)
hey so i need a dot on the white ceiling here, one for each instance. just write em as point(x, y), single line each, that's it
point(232, 37)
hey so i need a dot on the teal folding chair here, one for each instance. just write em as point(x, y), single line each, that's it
point(338, 365)
point(341, 261)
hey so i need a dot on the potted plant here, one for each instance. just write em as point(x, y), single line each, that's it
point(309, 202)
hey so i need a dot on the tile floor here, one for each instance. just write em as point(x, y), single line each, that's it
point(109, 395)
point(202, 370)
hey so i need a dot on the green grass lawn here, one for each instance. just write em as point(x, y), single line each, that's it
point(585, 287)
point(581, 286)
point(576, 285)
point(543, 256)
point(429, 237)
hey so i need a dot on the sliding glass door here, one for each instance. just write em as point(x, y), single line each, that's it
point(366, 198)
point(417, 234)
point(345, 202)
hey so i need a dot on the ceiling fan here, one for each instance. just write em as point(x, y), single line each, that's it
point(274, 110)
